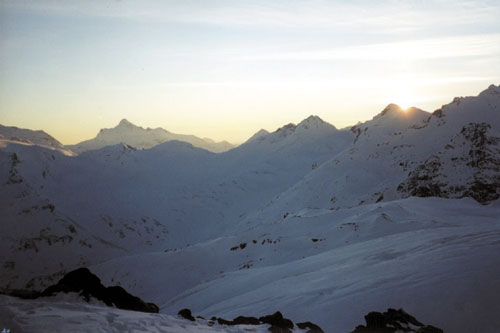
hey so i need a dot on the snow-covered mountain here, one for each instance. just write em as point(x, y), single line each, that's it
point(148, 200)
point(29, 137)
point(399, 211)
point(396, 154)
point(138, 137)
point(472, 157)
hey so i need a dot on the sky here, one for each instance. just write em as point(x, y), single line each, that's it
point(224, 69)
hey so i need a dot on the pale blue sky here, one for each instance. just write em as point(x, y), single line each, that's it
point(224, 69)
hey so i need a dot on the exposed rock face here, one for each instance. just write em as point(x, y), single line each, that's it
point(468, 166)
point(186, 314)
point(310, 327)
point(242, 320)
point(278, 323)
point(14, 177)
point(394, 321)
point(88, 285)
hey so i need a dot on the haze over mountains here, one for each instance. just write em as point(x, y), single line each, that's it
point(320, 223)
point(126, 132)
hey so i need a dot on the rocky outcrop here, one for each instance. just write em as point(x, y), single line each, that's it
point(89, 286)
point(279, 324)
point(14, 177)
point(393, 321)
point(310, 327)
point(468, 166)
point(186, 314)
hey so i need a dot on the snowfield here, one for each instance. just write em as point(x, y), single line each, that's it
point(423, 255)
point(76, 316)
point(324, 225)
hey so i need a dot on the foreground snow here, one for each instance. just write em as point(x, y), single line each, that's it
point(435, 258)
point(76, 316)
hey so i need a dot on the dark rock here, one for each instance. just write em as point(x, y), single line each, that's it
point(277, 320)
point(473, 153)
point(278, 323)
point(223, 321)
point(80, 280)
point(393, 321)
point(313, 328)
point(88, 285)
point(401, 316)
point(123, 300)
point(186, 314)
point(242, 320)
point(375, 320)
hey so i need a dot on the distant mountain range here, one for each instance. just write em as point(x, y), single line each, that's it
point(125, 132)
point(138, 137)
point(320, 223)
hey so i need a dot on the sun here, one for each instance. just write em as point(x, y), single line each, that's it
point(406, 99)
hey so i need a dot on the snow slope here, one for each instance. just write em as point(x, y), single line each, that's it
point(136, 136)
point(316, 222)
point(29, 137)
point(434, 257)
point(117, 200)
point(76, 316)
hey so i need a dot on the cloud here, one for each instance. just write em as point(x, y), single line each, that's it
point(340, 83)
point(433, 48)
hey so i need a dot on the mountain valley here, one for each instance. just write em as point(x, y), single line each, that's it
point(320, 223)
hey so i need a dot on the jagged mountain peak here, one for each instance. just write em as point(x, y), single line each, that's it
point(285, 131)
point(492, 90)
point(312, 119)
point(390, 109)
point(477, 109)
point(259, 135)
point(124, 123)
point(395, 110)
point(394, 118)
point(287, 128)
point(312, 122)
point(144, 138)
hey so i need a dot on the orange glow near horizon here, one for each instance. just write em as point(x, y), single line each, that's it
point(405, 95)
point(226, 69)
